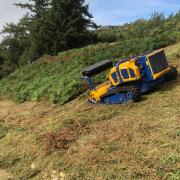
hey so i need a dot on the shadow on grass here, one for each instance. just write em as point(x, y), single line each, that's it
point(165, 86)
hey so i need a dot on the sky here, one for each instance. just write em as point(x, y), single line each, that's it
point(118, 12)
point(105, 12)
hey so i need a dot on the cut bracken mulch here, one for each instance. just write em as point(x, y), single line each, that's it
point(64, 137)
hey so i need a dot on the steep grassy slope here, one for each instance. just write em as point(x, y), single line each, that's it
point(58, 79)
point(39, 140)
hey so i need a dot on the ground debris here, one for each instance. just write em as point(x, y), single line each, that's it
point(64, 137)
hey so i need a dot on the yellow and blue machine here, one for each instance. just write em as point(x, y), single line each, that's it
point(129, 78)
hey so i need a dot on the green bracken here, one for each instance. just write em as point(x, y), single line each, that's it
point(58, 79)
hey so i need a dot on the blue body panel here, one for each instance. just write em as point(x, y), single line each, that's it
point(114, 76)
point(147, 82)
point(132, 74)
point(115, 99)
point(144, 69)
point(125, 74)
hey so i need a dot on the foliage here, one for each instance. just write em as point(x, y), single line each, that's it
point(157, 25)
point(48, 28)
point(69, 21)
point(57, 25)
point(13, 46)
point(58, 79)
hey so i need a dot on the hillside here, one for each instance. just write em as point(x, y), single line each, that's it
point(41, 140)
point(58, 78)
point(156, 26)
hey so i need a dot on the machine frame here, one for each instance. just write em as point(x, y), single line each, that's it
point(130, 78)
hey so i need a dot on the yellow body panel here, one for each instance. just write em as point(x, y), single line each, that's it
point(100, 90)
point(160, 74)
point(125, 65)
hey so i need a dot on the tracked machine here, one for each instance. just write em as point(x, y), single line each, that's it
point(130, 78)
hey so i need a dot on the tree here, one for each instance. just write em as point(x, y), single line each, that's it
point(1, 66)
point(50, 26)
point(57, 25)
point(15, 41)
point(157, 18)
point(6, 67)
point(70, 21)
point(38, 17)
